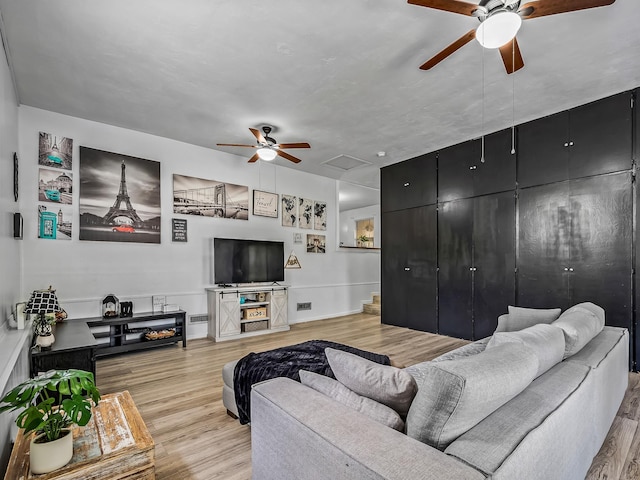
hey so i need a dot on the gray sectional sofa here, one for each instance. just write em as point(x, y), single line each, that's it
point(534, 401)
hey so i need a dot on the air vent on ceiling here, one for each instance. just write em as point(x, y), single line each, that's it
point(345, 162)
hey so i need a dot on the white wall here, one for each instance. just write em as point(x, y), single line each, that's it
point(83, 272)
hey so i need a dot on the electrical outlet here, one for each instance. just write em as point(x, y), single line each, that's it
point(304, 306)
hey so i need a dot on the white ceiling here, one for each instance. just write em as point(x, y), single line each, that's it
point(341, 75)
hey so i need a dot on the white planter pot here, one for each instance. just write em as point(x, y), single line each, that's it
point(49, 456)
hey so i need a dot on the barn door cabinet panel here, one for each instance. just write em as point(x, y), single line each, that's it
point(592, 139)
point(408, 184)
point(576, 245)
point(476, 248)
point(409, 277)
point(463, 174)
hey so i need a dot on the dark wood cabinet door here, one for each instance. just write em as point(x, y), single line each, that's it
point(456, 165)
point(393, 261)
point(408, 184)
point(494, 260)
point(601, 246)
point(600, 136)
point(544, 242)
point(543, 150)
point(455, 262)
point(409, 278)
point(498, 171)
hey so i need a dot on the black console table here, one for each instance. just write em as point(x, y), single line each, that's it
point(74, 347)
point(78, 342)
point(127, 334)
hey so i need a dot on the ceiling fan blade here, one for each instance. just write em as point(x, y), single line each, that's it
point(288, 157)
point(462, 41)
point(235, 145)
point(258, 135)
point(511, 56)
point(255, 158)
point(294, 145)
point(454, 6)
point(542, 8)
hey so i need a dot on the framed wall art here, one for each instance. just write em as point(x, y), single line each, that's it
point(265, 204)
point(316, 243)
point(289, 211)
point(55, 151)
point(320, 215)
point(305, 213)
point(210, 198)
point(119, 197)
point(178, 230)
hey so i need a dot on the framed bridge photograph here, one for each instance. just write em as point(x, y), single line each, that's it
point(119, 197)
point(210, 198)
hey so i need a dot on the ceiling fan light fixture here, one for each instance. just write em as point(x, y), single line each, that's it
point(499, 29)
point(267, 154)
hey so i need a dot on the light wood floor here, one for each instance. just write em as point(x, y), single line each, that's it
point(179, 394)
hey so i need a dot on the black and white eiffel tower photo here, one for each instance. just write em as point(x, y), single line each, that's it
point(119, 197)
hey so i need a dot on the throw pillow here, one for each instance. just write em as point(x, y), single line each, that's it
point(455, 395)
point(547, 342)
point(334, 389)
point(579, 325)
point(385, 384)
point(520, 318)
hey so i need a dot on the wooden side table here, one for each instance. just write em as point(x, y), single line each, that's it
point(115, 444)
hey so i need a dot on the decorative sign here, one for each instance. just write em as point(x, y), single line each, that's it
point(265, 204)
point(179, 230)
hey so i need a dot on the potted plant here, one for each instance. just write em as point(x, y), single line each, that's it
point(47, 416)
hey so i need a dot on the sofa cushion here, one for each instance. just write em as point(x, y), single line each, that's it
point(547, 341)
point(580, 325)
point(520, 318)
point(334, 389)
point(385, 384)
point(455, 395)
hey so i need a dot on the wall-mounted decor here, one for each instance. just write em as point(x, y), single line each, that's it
point(297, 238)
point(55, 222)
point(320, 216)
point(289, 210)
point(292, 262)
point(15, 176)
point(54, 151)
point(316, 243)
point(55, 186)
point(178, 230)
point(119, 197)
point(265, 204)
point(305, 213)
point(210, 198)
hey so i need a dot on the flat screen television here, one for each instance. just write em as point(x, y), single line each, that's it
point(247, 261)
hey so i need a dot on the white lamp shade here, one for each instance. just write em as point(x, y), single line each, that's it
point(267, 153)
point(498, 29)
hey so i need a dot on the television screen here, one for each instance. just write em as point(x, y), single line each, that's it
point(247, 261)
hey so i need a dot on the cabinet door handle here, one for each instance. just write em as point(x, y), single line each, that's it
point(406, 184)
point(566, 269)
point(407, 269)
point(472, 269)
point(473, 167)
point(571, 269)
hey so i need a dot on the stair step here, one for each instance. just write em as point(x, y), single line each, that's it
point(376, 299)
point(371, 308)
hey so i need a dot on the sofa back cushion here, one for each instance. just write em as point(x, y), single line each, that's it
point(455, 395)
point(385, 384)
point(520, 318)
point(334, 389)
point(547, 342)
point(580, 324)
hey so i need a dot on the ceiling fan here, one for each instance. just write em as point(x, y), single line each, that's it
point(500, 21)
point(267, 146)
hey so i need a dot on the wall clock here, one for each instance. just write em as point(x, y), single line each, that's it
point(15, 176)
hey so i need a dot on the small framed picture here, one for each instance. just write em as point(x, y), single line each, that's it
point(265, 204)
point(297, 237)
point(21, 319)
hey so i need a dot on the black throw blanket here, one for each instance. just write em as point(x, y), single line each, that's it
point(286, 362)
